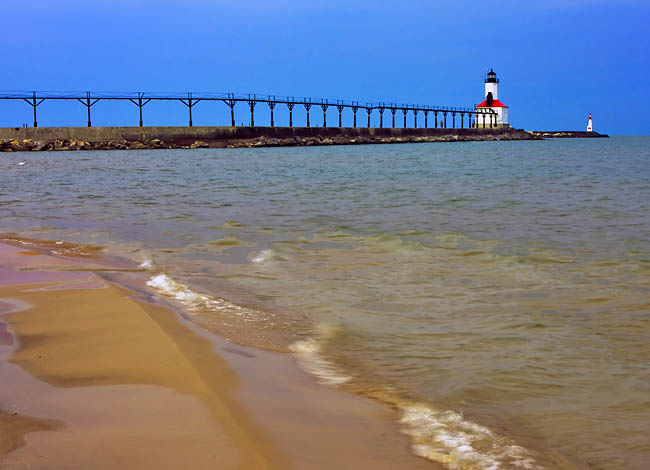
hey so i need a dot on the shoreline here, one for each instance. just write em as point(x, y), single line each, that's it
point(121, 376)
point(136, 138)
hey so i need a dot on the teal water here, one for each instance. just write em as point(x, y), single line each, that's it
point(496, 293)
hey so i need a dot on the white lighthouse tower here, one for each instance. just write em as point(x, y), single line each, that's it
point(590, 126)
point(492, 102)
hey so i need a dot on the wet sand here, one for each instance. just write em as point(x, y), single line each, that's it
point(96, 375)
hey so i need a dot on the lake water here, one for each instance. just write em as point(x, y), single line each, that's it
point(496, 293)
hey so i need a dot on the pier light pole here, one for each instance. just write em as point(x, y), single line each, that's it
point(290, 105)
point(444, 113)
point(426, 118)
point(307, 105)
point(369, 111)
point(393, 111)
point(404, 111)
point(355, 108)
point(231, 102)
point(453, 120)
point(435, 119)
point(462, 119)
point(252, 101)
point(324, 106)
point(88, 103)
point(415, 117)
point(272, 103)
point(381, 115)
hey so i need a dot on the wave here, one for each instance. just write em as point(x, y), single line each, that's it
point(195, 301)
point(442, 436)
point(446, 437)
point(309, 355)
point(264, 255)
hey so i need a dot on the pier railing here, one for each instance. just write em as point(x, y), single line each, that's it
point(475, 117)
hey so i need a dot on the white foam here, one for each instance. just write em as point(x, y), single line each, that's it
point(310, 358)
point(193, 300)
point(146, 264)
point(21, 163)
point(263, 256)
point(446, 437)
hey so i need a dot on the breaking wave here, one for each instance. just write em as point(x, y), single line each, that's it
point(195, 301)
point(263, 256)
point(309, 355)
point(446, 437)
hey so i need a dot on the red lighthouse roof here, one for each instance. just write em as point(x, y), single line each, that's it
point(495, 104)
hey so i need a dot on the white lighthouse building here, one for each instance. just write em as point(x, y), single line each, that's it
point(492, 102)
point(590, 125)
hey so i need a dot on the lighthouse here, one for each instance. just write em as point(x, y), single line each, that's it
point(590, 127)
point(492, 102)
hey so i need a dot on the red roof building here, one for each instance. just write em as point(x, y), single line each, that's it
point(491, 111)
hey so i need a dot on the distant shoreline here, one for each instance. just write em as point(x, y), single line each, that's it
point(134, 138)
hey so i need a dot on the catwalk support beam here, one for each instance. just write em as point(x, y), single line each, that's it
point(88, 103)
point(307, 105)
point(231, 102)
point(34, 102)
point(271, 104)
point(290, 105)
point(190, 102)
point(140, 102)
point(324, 106)
point(252, 101)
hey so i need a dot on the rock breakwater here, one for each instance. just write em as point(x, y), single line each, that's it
point(567, 134)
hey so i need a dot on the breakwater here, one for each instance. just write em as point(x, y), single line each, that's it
point(567, 134)
point(122, 138)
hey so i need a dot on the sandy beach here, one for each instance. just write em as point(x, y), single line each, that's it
point(96, 375)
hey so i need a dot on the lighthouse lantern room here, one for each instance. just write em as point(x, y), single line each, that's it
point(492, 100)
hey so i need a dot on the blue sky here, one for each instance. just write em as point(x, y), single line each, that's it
point(557, 59)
